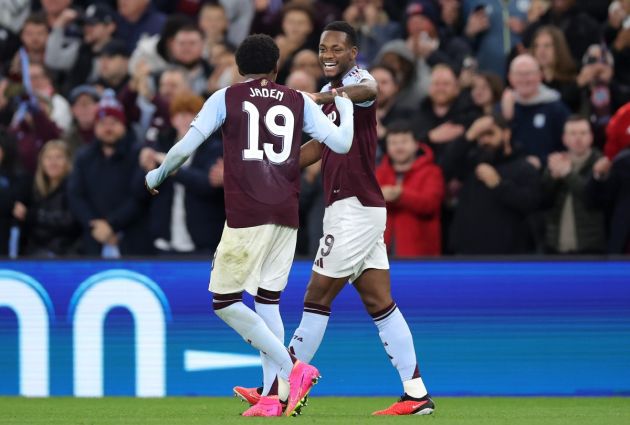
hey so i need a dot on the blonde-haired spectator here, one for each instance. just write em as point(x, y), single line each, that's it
point(52, 230)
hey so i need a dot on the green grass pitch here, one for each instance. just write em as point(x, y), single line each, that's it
point(321, 411)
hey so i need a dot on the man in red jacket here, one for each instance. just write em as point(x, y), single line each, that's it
point(413, 188)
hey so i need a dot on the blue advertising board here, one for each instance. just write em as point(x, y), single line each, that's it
point(146, 328)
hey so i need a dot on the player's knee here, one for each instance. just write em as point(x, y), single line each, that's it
point(375, 302)
point(221, 301)
point(317, 294)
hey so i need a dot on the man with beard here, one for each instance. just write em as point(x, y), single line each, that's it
point(352, 248)
point(187, 50)
point(500, 187)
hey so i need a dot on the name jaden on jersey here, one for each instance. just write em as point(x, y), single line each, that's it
point(256, 92)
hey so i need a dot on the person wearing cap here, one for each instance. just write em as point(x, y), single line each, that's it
point(101, 189)
point(76, 56)
point(84, 105)
point(113, 66)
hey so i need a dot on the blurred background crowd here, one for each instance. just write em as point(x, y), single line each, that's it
point(504, 125)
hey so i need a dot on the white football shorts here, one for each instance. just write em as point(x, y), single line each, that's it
point(253, 257)
point(353, 240)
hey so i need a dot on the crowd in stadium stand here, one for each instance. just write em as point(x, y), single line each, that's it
point(503, 125)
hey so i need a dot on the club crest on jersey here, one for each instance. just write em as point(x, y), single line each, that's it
point(264, 82)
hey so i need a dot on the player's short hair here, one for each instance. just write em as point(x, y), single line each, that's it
point(343, 26)
point(257, 54)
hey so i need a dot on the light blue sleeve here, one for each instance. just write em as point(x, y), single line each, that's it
point(175, 157)
point(319, 127)
point(212, 114)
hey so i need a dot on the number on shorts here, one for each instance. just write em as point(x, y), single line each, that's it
point(329, 240)
point(285, 131)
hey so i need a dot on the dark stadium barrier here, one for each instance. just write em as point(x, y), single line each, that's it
point(145, 328)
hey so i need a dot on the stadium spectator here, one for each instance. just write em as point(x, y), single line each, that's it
point(113, 67)
point(225, 71)
point(187, 52)
point(610, 185)
point(601, 93)
point(76, 57)
point(576, 25)
point(172, 81)
point(373, 27)
point(445, 114)
point(413, 87)
point(617, 36)
point(491, 41)
point(51, 228)
point(156, 50)
point(452, 20)
point(574, 225)
point(214, 24)
point(550, 49)
point(137, 18)
point(32, 126)
point(188, 216)
point(42, 85)
point(413, 188)
point(302, 81)
point(34, 36)
point(102, 191)
point(486, 92)
point(428, 46)
point(308, 61)
point(84, 100)
point(388, 109)
point(500, 188)
point(536, 111)
point(298, 24)
point(13, 190)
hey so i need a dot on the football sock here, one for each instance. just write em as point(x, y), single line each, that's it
point(267, 305)
point(398, 343)
point(308, 336)
point(252, 328)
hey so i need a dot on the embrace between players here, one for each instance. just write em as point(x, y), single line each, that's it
point(262, 123)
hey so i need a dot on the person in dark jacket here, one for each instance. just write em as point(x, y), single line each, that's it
point(13, 192)
point(413, 187)
point(189, 214)
point(101, 188)
point(574, 223)
point(499, 189)
point(610, 186)
point(51, 228)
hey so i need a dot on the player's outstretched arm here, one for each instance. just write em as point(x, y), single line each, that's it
point(319, 127)
point(209, 119)
point(175, 157)
point(365, 91)
point(310, 153)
